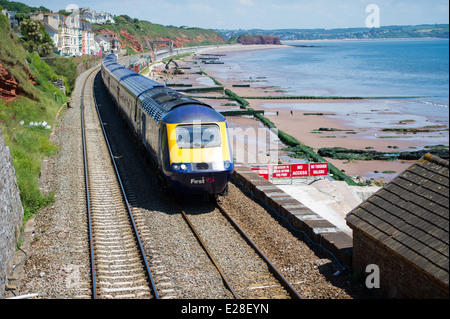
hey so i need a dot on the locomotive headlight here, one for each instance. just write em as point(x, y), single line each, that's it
point(226, 164)
point(177, 167)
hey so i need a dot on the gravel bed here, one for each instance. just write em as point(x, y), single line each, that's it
point(57, 264)
point(309, 269)
point(247, 273)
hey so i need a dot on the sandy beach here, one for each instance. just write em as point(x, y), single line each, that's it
point(356, 124)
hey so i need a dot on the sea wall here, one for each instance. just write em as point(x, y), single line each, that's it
point(297, 216)
point(11, 214)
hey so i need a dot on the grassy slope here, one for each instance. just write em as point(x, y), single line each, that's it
point(144, 31)
point(28, 145)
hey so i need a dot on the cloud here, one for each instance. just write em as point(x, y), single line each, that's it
point(246, 2)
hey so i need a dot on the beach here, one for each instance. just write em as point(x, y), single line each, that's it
point(347, 123)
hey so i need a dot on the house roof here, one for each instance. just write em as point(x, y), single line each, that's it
point(410, 216)
point(49, 29)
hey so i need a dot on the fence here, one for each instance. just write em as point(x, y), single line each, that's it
point(282, 173)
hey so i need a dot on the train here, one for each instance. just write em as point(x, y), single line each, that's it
point(186, 139)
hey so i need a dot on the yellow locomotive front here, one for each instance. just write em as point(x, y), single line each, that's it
point(198, 156)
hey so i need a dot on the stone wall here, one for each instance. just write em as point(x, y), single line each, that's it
point(398, 278)
point(11, 214)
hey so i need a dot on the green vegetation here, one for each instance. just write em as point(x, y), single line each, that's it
point(331, 129)
point(409, 31)
point(39, 101)
point(239, 113)
point(242, 102)
point(212, 78)
point(136, 34)
point(368, 155)
point(303, 97)
point(66, 68)
point(35, 38)
point(21, 7)
point(202, 89)
point(431, 128)
point(298, 149)
point(439, 146)
point(177, 57)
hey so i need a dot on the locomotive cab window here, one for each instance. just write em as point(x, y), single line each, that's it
point(198, 136)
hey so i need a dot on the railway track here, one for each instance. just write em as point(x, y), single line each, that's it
point(230, 255)
point(118, 263)
point(263, 280)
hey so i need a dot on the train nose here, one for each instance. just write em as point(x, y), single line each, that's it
point(199, 183)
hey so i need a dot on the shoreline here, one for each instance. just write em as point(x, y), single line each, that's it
point(354, 130)
point(378, 39)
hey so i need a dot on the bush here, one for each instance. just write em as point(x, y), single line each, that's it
point(35, 38)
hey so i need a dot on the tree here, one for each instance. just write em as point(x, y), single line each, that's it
point(65, 12)
point(35, 38)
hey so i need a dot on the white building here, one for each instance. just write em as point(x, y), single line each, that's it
point(96, 17)
point(70, 36)
point(104, 44)
point(108, 41)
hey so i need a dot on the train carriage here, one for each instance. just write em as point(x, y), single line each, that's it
point(187, 139)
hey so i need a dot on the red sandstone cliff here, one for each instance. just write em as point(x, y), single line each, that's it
point(137, 35)
point(258, 39)
point(9, 86)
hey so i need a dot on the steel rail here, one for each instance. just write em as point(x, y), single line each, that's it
point(202, 243)
point(88, 202)
point(125, 198)
point(272, 267)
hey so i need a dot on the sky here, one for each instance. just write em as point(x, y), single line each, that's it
point(266, 14)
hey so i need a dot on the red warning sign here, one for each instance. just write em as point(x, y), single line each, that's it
point(262, 171)
point(299, 170)
point(281, 171)
point(318, 169)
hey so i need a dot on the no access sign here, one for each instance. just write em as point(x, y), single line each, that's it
point(299, 170)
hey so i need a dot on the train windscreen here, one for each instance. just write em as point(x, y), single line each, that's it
point(198, 136)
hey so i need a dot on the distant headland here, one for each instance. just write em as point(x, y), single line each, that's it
point(384, 32)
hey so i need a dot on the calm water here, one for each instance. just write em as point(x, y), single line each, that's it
point(413, 68)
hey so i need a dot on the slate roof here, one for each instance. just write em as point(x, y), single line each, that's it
point(410, 216)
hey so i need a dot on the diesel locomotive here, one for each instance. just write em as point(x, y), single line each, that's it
point(187, 139)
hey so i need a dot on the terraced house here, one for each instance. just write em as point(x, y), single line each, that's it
point(70, 36)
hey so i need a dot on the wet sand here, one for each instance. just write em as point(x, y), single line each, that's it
point(358, 124)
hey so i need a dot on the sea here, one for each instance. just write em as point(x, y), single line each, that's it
point(408, 75)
